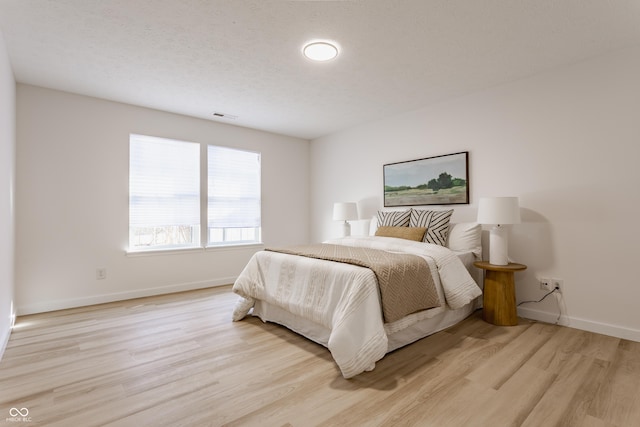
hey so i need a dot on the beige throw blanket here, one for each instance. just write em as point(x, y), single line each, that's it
point(405, 281)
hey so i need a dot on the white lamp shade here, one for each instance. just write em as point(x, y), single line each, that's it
point(499, 210)
point(345, 211)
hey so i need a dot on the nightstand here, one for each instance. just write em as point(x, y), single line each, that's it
point(499, 296)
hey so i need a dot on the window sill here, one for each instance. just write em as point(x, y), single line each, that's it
point(182, 251)
point(234, 246)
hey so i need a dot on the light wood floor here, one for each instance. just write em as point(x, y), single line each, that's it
point(178, 360)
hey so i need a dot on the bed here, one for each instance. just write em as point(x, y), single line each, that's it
point(338, 305)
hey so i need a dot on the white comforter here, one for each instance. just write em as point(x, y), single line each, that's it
point(344, 298)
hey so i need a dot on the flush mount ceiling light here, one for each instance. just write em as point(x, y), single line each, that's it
point(320, 51)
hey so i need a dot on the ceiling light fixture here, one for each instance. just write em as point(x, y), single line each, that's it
point(320, 51)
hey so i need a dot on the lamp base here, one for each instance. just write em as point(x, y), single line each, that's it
point(498, 245)
point(346, 229)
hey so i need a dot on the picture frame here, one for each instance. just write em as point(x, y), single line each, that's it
point(438, 180)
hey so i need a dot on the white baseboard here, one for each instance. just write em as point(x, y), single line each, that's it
point(582, 324)
point(4, 342)
point(4, 339)
point(62, 304)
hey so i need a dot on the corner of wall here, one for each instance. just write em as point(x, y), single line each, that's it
point(7, 188)
point(6, 334)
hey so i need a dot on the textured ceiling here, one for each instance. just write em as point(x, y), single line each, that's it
point(243, 57)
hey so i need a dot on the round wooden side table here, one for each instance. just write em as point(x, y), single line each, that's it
point(499, 296)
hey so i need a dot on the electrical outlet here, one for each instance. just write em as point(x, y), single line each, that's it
point(101, 273)
point(557, 283)
point(545, 283)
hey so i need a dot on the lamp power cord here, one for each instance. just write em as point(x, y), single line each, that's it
point(554, 290)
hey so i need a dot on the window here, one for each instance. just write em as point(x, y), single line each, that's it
point(164, 193)
point(165, 203)
point(234, 195)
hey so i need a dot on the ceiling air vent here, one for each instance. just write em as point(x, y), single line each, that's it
point(224, 116)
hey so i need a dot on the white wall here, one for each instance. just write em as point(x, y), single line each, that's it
point(72, 160)
point(566, 142)
point(7, 168)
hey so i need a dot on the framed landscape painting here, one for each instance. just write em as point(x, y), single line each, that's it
point(440, 180)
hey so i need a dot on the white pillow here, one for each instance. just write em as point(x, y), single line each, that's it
point(373, 226)
point(465, 237)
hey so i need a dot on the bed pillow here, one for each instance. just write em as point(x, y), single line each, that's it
point(373, 225)
point(393, 218)
point(465, 237)
point(436, 223)
point(409, 233)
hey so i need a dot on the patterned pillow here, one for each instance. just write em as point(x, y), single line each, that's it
point(393, 218)
point(437, 223)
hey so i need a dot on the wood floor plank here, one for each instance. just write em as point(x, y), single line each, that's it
point(617, 400)
point(498, 369)
point(516, 398)
point(178, 360)
point(425, 384)
point(555, 403)
point(577, 411)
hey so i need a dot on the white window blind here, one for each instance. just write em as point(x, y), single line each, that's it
point(233, 195)
point(164, 193)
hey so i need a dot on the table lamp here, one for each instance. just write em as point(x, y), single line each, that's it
point(499, 211)
point(345, 211)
